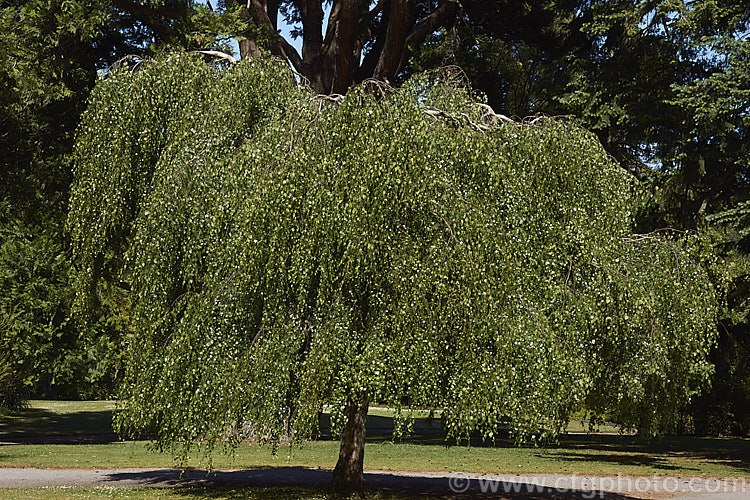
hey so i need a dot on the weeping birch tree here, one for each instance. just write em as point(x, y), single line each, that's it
point(286, 252)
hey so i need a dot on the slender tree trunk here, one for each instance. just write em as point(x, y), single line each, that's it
point(348, 474)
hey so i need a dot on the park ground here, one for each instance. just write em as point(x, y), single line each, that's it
point(51, 439)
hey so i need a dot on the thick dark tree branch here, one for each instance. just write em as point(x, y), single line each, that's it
point(288, 51)
point(377, 34)
point(392, 47)
point(281, 47)
point(442, 16)
point(343, 33)
point(331, 60)
point(333, 17)
point(366, 30)
point(138, 9)
point(401, 17)
point(150, 16)
point(370, 15)
point(272, 9)
point(311, 12)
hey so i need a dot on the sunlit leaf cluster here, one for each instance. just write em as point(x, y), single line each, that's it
point(287, 252)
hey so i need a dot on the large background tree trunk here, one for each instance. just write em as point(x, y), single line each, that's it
point(332, 61)
point(348, 474)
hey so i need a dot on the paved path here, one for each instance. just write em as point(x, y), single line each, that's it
point(530, 486)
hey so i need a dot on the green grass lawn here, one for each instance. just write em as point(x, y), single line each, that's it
point(602, 457)
point(579, 454)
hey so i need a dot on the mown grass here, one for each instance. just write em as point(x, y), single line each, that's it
point(58, 418)
point(600, 457)
point(575, 454)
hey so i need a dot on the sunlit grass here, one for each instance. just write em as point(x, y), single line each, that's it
point(574, 454)
point(569, 458)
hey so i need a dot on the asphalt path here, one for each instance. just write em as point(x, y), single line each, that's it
point(448, 485)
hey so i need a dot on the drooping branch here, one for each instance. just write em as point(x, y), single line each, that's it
point(489, 116)
point(220, 55)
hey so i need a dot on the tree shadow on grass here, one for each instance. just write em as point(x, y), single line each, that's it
point(33, 423)
point(297, 482)
point(618, 449)
point(624, 460)
point(732, 452)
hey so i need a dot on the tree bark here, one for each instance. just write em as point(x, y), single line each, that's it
point(333, 62)
point(248, 47)
point(444, 15)
point(401, 18)
point(265, 13)
point(348, 475)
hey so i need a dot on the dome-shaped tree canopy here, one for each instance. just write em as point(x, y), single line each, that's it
point(287, 251)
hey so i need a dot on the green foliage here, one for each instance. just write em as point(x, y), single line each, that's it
point(7, 373)
point(695, 136)
point(725, 408)
point(45, 76)
point(512, 51)
point(46, 353)
point(287, 252)
point(50, 53)
point(199, 27)
point(664, 86)
point(49, 56)
point(660, 277)
point(35, 305)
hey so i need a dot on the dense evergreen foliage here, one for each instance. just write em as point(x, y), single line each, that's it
point(50, 53)
point(286, 252)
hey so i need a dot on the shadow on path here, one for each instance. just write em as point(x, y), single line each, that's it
point(293, 477)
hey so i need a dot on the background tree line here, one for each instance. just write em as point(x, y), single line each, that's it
point(665, 86)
